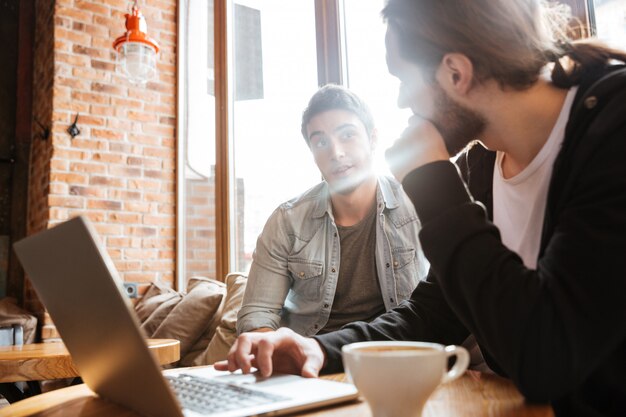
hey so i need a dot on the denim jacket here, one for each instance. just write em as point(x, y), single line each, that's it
point(295, 265)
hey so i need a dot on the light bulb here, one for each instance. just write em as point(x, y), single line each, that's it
point(137, 61)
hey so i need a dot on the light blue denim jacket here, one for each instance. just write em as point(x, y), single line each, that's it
point(295, 265)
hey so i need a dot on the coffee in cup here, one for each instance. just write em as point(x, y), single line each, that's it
point(396, 378)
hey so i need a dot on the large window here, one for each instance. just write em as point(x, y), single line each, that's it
point(272, 67)
point(196, 252)
point(367, 71)
point(275, 74)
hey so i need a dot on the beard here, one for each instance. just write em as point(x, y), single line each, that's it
point(458, 125)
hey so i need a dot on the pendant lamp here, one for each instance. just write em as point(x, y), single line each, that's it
point(136, 51)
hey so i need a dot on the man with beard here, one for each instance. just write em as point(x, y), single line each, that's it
point(527, 236)
point(347, 249)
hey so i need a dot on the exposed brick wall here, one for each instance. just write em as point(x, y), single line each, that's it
point(200, 226)
point(120, 170)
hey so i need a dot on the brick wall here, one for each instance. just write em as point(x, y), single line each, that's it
point(200, 226)
point(120, 170)
point(200, 248)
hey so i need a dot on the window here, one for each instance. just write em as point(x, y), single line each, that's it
point(272, 57)
point(279, 52)
point(367, 71)
point(275, 74)
point(196, 131)
point(608, 18)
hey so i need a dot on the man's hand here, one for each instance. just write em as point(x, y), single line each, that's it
point(283, 351)
point(419, 144)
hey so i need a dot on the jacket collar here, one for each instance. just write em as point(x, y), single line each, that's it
point(385, 198)
point(594, 92)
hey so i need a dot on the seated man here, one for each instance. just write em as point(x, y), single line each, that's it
point(527, 244)
point(343, 251)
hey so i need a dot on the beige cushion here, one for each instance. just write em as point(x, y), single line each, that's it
point(191, 317)
point(159, 313)
point(201, 344)
point(226, 332)
point(156, 295)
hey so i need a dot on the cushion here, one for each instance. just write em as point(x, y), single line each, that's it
point(161, 311)
point(201, 344)
point(226, 332)
point(188, 320)
point(156, 295)
point(193, 357)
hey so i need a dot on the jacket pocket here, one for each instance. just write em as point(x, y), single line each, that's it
point(307, 278)
point(404, 271)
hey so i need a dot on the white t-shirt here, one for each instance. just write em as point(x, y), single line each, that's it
point(519, 202)
point(519, 205)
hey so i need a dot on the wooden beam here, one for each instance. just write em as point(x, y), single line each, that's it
point(328, 47)
point(222, 161)
point(23, 135)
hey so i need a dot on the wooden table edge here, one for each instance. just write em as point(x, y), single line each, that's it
point(54, 361)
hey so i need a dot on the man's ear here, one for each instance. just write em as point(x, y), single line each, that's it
point(456, 73)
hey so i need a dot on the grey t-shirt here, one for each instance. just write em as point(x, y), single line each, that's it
point(358, 296)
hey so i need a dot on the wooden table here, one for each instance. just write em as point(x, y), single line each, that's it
point(44, 361)
point(474, 394)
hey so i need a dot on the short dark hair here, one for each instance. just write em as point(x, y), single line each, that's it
point(336, 97)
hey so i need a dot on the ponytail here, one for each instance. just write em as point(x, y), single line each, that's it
point(577, 59)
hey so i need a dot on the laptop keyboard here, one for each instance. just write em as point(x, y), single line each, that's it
point(206, 396)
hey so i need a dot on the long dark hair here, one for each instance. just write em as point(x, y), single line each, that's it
point(510, 41)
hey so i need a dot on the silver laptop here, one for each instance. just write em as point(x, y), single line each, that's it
point(78, 284)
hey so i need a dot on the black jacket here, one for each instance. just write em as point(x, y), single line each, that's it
point(558, 331)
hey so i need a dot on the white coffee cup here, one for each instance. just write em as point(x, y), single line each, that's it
point(396, 378)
